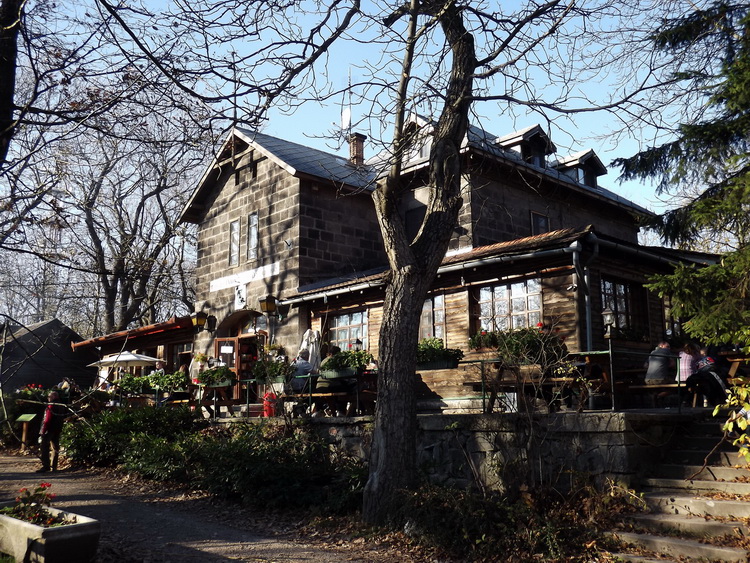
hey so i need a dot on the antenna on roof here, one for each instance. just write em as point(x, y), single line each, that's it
point(234, 106)
point(346, 111)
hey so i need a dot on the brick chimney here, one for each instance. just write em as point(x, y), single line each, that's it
point(357, 148)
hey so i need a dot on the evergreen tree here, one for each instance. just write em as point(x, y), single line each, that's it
point(709, 158)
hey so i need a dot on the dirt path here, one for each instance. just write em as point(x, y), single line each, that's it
point(141, 523)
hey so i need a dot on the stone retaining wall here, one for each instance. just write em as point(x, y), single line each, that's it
point(503, 450)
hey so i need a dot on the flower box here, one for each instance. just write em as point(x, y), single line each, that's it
point(68, 543)
point(336, 373)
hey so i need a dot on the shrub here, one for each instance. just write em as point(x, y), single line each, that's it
point(214, 375)
point(104, 439)
point(354, 359)
point(434, 350)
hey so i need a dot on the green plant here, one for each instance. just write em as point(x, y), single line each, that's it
point(30, 505)
point(214, 375)
point(434, 350)
point(168, 381)
point(107, 437)
point(268, 370)
point(354, 359)
point(484, 339)
point(532, 346)
point(32, 392)
point(132, 384)
point(200, 358)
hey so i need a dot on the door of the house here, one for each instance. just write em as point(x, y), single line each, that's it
point(239, 354)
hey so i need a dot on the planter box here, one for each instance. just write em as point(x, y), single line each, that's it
point(224, 383)
point(333, 374)
point(71, 543)
point(438, 364)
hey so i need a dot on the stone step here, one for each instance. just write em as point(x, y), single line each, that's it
point(708, 473)
point(696, 457)
point(663, 503)
point(628, 558)
point(697, 486)
point(677, 547)
point(694, 525)
point(703, 443)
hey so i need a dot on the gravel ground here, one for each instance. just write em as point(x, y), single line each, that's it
point(143, 522)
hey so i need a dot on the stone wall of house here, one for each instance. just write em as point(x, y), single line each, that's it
point(256, 186)
point(502, 206)
point(339, 233)
point(460, 449)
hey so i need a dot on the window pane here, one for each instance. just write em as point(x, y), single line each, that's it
point(534, 286)
point(518, 289)
point(519, 321)
point(534, 318)
point(518, 304)
point(252, 236)
point(234, 243)
point(535, 302)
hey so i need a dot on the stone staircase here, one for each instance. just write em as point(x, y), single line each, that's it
point(693, 514)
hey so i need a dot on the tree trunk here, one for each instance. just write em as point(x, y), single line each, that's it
point(414, 265)
point(10, 25)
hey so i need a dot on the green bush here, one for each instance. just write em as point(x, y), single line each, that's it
point(104, 439)
point(258, 464)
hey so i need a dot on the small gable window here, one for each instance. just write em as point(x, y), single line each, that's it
point(539, 223)
point(252, 236)
point(234, 243)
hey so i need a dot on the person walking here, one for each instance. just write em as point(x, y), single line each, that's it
point(49, 435)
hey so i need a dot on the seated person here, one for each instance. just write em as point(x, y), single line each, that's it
point(659, 365)
point(709, 382)
point(302, 368)
point(338, 385)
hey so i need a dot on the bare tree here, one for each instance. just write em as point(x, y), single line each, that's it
point(433, 57)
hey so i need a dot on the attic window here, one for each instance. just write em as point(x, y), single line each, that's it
point(539, 223)
point(234, 243)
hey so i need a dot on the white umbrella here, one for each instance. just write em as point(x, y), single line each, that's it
point(126, 359)
point(311, 343)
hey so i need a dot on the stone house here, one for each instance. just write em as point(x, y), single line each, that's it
point(538, 240)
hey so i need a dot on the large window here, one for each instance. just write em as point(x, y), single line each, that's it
point(234, 243)
point(628, 303)
point(511, 306)
point(252, 236)
point(432, 321)
point(345, 330)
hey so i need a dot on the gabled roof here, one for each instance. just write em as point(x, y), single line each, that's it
point(525, 135)
point(298, 160)
point(479, 140)
point(582, 158)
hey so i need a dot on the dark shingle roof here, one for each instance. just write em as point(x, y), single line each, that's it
point(301, 160)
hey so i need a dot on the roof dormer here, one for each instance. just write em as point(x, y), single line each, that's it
point(583, 167)
point(532, 143)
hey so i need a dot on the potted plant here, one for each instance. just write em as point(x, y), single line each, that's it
point(32, 531)
point(270, 370)
point(177, 381)
point(484, 340)
point(432, 354)
point(217, 376)
point(346, 364)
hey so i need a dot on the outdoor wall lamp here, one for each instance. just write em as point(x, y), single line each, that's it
point(211, 323)
point(268, 305)
point(199, 320)
point(357, 345)
point(608, 317)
